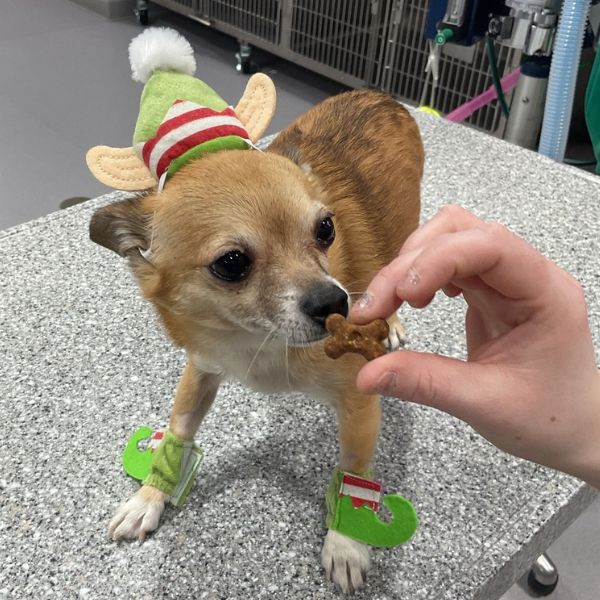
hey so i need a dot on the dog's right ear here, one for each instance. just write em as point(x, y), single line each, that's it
point(123, 227)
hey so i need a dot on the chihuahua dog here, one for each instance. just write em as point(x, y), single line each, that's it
point(245, 253)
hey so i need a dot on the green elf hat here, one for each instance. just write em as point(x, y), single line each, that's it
point(181, 118)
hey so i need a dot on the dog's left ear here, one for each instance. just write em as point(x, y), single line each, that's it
point(123, 227)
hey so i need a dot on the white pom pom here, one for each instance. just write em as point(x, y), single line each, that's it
point(160, 48)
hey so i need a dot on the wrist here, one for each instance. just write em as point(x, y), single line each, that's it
point(586, 465)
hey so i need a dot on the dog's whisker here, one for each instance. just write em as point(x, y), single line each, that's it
point(269, 333)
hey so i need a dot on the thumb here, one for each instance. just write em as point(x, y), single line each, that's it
point(451, 385)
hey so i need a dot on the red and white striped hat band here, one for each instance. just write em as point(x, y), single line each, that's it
point(185, 126)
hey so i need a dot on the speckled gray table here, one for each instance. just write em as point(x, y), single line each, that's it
point(82, 363)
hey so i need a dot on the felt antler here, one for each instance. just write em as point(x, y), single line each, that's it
point(119, 168)
point(257, 105)
point(122, 169)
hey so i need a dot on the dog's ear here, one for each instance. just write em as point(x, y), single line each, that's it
point(123, 227)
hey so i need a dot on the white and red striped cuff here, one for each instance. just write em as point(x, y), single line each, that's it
point(185, 126)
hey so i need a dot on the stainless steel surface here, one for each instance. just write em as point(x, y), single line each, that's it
point(541, 33)
point(528, 28)
point(539, 41)
point(544, 570)
point(526, 112)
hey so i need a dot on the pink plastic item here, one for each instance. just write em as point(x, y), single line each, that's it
point(465, 110)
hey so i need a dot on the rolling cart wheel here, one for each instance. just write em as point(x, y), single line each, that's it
point(142, 16)
point(245, 64)
point(543, 576)
point(540, 589)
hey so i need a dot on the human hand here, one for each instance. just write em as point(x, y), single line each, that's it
point(530, 384)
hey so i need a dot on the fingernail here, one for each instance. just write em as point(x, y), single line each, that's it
point(413, 277)
point(386, 382)
point(364, 301)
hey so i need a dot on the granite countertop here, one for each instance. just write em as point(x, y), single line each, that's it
point(84, 363)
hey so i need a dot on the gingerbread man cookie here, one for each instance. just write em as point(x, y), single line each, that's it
point(362, 339)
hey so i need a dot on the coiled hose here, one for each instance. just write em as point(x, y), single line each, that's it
point(563, 77)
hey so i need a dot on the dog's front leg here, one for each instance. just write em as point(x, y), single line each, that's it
point(345, 560)
point(141, 514)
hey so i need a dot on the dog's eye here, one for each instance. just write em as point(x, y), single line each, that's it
point(233, 266)
point(325, 232)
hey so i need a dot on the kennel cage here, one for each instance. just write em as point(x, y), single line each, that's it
point(359, 43)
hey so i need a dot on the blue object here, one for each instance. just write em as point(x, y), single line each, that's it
point(563, 77)
point(468, 19)
point(435, 14)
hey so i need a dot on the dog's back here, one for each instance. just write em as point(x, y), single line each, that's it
point(365, 152)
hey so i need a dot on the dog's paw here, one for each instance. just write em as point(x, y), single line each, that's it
point(138, 516)
point(345, 561)
point(396, 338)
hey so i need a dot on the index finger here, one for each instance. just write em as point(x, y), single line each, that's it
point(499, 258)
point(449, 219)
point(381, 300)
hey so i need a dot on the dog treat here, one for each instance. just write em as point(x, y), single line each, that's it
point(362, 339)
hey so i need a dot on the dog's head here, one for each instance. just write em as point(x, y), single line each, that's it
point(236, 242)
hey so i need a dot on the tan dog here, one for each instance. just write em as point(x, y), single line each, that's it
point(244, 254)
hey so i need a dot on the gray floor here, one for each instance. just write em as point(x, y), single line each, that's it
point(66, 87)
point(575, 554)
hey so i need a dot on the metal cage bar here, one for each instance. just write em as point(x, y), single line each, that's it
point(333, 33)
point(375, 43)
point(259, 18)
point(185, 7)
point(403, 74)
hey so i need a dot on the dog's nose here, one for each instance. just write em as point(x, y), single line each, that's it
point(324, 300)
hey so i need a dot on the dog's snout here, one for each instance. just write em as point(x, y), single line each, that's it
point(324, 300)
